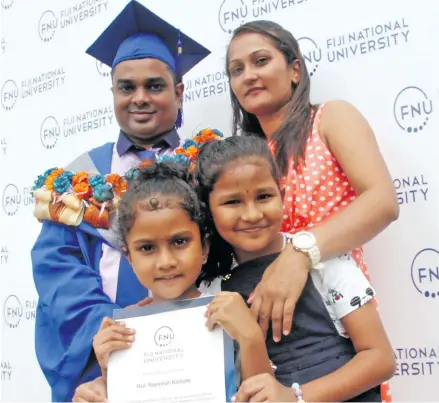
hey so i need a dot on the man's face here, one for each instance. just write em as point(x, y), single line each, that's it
point(146, 98)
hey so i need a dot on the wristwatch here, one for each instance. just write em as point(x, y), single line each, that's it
point(305, 242)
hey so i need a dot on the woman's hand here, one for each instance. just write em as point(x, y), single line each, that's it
point(229, 311)
point(275, 297)
point(264, 388)
point(94, 391)
point(111, 336)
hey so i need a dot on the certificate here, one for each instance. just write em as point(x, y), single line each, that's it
point(174, 357)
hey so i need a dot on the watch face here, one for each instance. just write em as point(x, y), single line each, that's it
point(304, 241)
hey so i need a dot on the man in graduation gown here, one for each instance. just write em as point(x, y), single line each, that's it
point(79, 272)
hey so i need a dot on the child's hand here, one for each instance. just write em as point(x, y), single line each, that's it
point(229, 311)
point(264, 388)
point(111, 336)
point(94, 391)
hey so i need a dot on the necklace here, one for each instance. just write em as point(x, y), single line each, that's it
point(285, 237)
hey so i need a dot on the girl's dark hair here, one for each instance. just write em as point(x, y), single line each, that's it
point(290, 139)
point(161, 178)
point(211, 162)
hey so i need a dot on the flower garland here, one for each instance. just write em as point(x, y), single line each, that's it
point(69, 197)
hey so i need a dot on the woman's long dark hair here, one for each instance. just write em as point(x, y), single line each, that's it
point(290, 139)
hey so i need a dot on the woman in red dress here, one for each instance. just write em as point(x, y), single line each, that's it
point(338, 193)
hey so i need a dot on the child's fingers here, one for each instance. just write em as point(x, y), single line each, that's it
point(213, 307)
point(117, 337)
point(113, 332)
point(106, 322)
point(103, 350)
point(113, 346)
point(212, 321)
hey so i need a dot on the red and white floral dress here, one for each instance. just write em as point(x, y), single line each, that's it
point(313, 193)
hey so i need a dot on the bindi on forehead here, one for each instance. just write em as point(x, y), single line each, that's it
point(155, 203)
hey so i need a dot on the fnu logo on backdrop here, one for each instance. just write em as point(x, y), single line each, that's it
point(14, 310)
point(103, 69)
point(13, 198)
point(234, 13)
point(9, 95)
point(49, 132)
point(32, 86)
point(425, 272)
point(49, 22)
point(7, 4)
point(372, 38)
point(83, 122)
point(412, 109)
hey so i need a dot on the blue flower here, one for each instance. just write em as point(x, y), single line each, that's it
point(39, 182)
point(97, 180)
point(103, 193)
point(68, 174)
point(61, 184)
point(165, 158)
point(180, 158)
point(188, 143)
point(218, 133)
point(132, 174)
point(48, 172)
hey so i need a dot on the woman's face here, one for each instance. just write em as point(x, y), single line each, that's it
point(260, 77)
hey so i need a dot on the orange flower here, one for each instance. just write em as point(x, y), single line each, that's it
point(57, 172)
point(49, 182)
point(205, 136)
point(119, 184)
point(51, 178)
point(209, 135)
point(114, 179)
point(80, 177)
point(207, 132)
point(122, 187)
point(180, 150)
point(82, 190)
point(192, 152)
point(145, 163)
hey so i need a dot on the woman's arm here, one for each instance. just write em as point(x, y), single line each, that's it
point(353, 144)
point(373, 364)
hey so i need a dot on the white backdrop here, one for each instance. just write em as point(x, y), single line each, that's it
point(380, 55)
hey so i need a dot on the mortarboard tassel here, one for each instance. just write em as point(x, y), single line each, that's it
point(179, 121)
point(179, 58)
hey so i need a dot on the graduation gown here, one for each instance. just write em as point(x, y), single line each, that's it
point(67, 266)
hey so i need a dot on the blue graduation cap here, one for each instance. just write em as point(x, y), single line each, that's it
point(138, 33)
